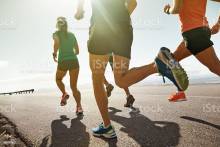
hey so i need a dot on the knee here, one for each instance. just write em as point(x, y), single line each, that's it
point(120, 83)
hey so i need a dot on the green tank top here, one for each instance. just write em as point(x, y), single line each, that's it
point(67, 46)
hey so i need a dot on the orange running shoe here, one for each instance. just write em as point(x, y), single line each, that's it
point(64, 99)
point(178, 96)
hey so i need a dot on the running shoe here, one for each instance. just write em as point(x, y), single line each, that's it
point(64, 99)
point(101, 131)
point(109, 89)
point(130, 101)
point(79, 111)
point(178, 96)
point(170, 68)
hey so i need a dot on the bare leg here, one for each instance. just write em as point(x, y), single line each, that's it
point(181, 52)
point(98, 64)
point(59, 77)
point(209, 58)
point(127, 91)
point(73, 84)
point(124, 78)
point(106, 82)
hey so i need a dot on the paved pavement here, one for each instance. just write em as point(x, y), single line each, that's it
point(155, 122)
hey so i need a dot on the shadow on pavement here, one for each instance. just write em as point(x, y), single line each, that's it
point(201, 121)
point(146, 132)
point(111, 142)
point(62, 136)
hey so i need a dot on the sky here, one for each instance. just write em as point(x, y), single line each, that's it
point(26, 45)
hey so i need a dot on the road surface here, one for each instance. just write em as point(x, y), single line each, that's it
point(155, 122)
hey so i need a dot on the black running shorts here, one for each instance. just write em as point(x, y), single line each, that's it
point(105, 40)
point(198, 40)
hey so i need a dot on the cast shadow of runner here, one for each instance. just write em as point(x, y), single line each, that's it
point(62, 136)
point(145, 132)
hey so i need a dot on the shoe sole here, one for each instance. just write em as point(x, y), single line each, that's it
point(179, 100)
point(176, 69)
point(105, 136)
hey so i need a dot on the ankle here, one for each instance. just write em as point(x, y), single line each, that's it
point(78, 105)
point(107, 126)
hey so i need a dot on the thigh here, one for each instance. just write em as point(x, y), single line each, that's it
point(74, 73)
point(208, 57)
point(181, 52)
point(60, 74)
point(98, 63)
point(120, 66)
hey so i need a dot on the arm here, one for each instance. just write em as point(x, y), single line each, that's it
point(175, 9)
point(55, 47)
point(80, 10)
point(76, 48)
point(216, 28)
point(131, 5)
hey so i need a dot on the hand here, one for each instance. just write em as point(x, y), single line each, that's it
point(55, 57)
point(215, 29)
point(79, 14)
point(166, 9)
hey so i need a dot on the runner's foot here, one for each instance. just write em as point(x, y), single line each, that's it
point(101, 131)
point(170, 68)
point(178, 96)
point(130, 101)
point(64, 99)
point(79, 111)
point(109, 89)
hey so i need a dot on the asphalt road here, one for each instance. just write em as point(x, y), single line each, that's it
point(155, 122)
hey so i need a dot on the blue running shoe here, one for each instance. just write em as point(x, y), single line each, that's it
point(101, 131)
point(168, 67)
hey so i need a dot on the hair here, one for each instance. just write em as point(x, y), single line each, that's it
point(62, 27)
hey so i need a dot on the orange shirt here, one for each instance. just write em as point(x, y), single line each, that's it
point(192, 14)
